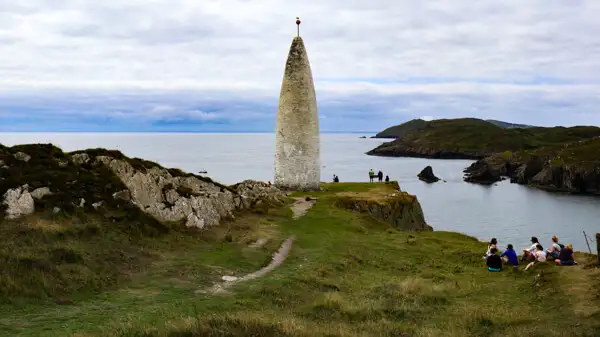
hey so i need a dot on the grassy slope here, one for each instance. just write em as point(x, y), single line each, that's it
point(508, 125)
point(469, 135)
point(347, 275)
point(400, 130)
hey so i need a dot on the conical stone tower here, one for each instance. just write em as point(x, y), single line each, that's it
point(297, 162)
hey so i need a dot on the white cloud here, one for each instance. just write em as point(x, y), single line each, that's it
point(410, 58)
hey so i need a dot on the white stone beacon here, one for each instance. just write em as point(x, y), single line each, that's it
point(297, 153)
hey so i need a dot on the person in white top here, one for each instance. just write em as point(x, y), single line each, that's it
point(540, 256)
point(493, 244)
point(554, 251)
point(528, 253)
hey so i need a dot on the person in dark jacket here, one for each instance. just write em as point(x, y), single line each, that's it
point(380, 176)
point(494, 262)
point(387, 179)
point(565, 257)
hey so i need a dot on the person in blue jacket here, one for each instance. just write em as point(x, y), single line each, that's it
point(510, 256)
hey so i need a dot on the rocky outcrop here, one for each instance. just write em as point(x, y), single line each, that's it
point(427, 175)
point(400, 210)
point(41, 192)
point(18, 202)
point(121, 188)
point(542, 172)
point(187, 198)
point(483, 172)
point(22, 156)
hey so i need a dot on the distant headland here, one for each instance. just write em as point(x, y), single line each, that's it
point(552, 158)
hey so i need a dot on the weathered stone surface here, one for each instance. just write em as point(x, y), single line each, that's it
point(297, 162)
point(98, 204)
point(427, 175)
point(18, 203)
point(22, 156)
point(80, 158)
point(122, 195)
point(41, 192)
point(155, 191)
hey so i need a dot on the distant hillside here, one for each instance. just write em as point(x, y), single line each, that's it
point(508, 125)
point(557, 158)
point(472, 138)
point(398, 131)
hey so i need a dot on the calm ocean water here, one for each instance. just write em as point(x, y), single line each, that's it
point(510, 212)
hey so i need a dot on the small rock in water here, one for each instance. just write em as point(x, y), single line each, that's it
point(229, 278)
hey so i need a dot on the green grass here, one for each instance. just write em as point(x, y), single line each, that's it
point(346, 275)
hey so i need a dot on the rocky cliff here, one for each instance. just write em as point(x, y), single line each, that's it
point(41, 178)
point(572, 167)
point(390, 205)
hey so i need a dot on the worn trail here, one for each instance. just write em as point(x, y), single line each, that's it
point(299, 209)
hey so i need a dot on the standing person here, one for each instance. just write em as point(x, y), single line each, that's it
point(371, 175)
point(380, 176)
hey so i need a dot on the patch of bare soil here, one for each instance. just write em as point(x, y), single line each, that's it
point(277, 260)
point(301, 206)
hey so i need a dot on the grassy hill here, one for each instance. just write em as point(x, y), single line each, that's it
point(399, 131)
point(471, 138)
point(347, 275)
point(507, 125)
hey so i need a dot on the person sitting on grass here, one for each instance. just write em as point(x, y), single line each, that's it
point(540, 256)
point(555, 249)
point(510, 256)
point(494, 262)
point(529, 253)
point(566, 257)
point(493, 244)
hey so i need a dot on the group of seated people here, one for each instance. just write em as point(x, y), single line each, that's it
point(560, 254)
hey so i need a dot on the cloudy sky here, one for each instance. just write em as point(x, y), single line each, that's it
point(217, 65)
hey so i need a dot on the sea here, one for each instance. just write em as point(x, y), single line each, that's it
point(509, 212)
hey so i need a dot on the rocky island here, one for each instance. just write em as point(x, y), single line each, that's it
point(553, 158)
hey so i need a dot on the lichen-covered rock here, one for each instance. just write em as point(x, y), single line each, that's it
point(122, 195)
point(41, 192)
point(18, 202)
point(80, 158)
point(135, 194)
point(189, 198)
point(22, 156)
